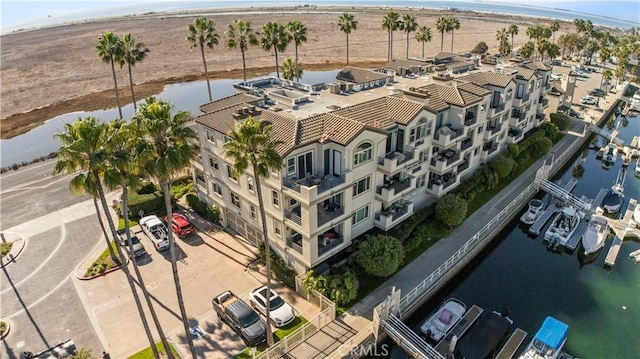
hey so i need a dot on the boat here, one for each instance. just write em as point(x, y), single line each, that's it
point(612, 201)
point(536, 209)
point(610, 153)
point(635, 102)
point(636, 214)
point(635, 255)
point(548, 341)
point(636, 171)
point(562, 228)
point(484, 336)
point(594, 236)
point(443, 320)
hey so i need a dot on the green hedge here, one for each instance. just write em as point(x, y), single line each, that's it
point(210, 213)
point(561, 121)
point(279, 267)
point(150, 203)
point(403, 230)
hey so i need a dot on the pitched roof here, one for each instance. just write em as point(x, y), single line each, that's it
point(537, 65)
point(229, 101)
point(327, 127)
point(488, 78)
point(524, 73)
point(460, 95)
point(395, 63)
point(445, 55)
point(382, 112)
point(358, 75)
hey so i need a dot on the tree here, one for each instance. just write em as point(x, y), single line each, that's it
point(513, 31)
point(250, 145)
point(240, 35)
point(527, 50)
point(553, 50)
point(543, 45)
point(274, 36)
point(133, 52)
point(451, 210)
point(380, 256)
point(291, 69)
point(346, 24)
point(408, 25)
point(423, 34)
point(168, 147)
point(110, 50)
point(480, 48)
point(441, 25)
point(503, 165)
point(83, 150)
point(452, 24)
point(202, 32)
point(504, 48)
point(391, 23)
point(297, 34)
point(555, 26)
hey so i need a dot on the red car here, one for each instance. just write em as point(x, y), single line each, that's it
point(180, 225)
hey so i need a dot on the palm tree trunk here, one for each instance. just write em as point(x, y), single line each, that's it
point(267, 253)
point(124, 266)
point(451, 40)
point(244, 68)
point(206, 71)
point(512, 49)
point(407, 45)
point(104, 232)
point(347, 49)
point(441, 40)
point(390, 45)
point(133, 96)
point(277, 68)
point(174, 268)
point(423, 50)
point(297, 77)
point(115, 83)
point(145, 292)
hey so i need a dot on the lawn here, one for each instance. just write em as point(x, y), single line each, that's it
point(278, 334)
point(5, 248)
point(148, 353)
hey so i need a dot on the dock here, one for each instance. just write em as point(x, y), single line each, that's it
point(512, 345)
point(573, 242)
point(598, 201)
point(536, 227)
point(622, 228)
point(465, 323)
point(613, 252)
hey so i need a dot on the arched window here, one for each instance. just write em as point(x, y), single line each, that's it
point(362, 153)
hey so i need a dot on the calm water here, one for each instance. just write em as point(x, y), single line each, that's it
point(185, 97)
point(601, 306)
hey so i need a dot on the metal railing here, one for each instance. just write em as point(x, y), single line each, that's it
point(293, 245)
point(290, 214)
point(345, 350)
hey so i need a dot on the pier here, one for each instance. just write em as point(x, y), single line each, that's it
point(512, 345)
point(536, 227)
point(597, 202)
point(465, 323)
point(573, 242)
point(622, 228)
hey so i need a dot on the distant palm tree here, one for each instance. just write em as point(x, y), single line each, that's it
point(605, 54)
point(202, 32)
point(527, 50)
point(441, 25)
point(391, 23)
point(241, 35)
point(555, 26)
point(251, 146)
point(513, 31)
point(110, 49)
point(83, 154)
point(408, 25)
point(291, 69)
point(168, 147)
point(502, 36)
point(134, 52)
point(423, 34)
point(298, 34)
point(453, 24)
point(274, 37)
point(346, 24)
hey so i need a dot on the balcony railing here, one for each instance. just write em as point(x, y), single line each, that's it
point(544, 102)
point(515, 132)
point(294, 214)
point(326, 244)
point(491, 149)
point(524, 98)
point(295, 243)
point(201, 182)
point(463, 166)
point(519, 114)
point(329, 213)
point(401, 157)
point(497, 109)
point(323, 184)
point(470, 119)
point(448, 132)
point(495, 128)
point(466, 143)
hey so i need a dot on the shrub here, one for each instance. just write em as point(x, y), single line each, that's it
point(146, 187)
point(182, 186)
point(451, 210)
point(151, 203)
point(210, 213)
point(279, 267)
point(502, 165)
point(380, 256)
point(480, 48)
point(403, 230)
point(542, 146)
point(561, 121)
point(514, 150)
point(341, 287)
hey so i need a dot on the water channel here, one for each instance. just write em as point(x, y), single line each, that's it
point(601, 305)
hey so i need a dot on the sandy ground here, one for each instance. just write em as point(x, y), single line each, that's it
point(56, 70)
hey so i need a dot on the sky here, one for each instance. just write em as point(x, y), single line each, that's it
point(27, 13)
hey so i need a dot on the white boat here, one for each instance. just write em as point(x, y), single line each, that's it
point(610, 153)
point(563, 226)
point(536, 209)
point(635, 255)
point(635, 102)
point(443, 320)
point(548, 341)
point(636, 171)
point(594, 236)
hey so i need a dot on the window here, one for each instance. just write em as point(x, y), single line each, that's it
point(476, 151)
point(362, 154)
point(423, 156)
point(480, 129)
point(422, 130)
point(253, 211)
point(213, 163)
point(483, 106)
point(217, 189)
point(291, 166)
point(360, 215)
point(226, 138)
point(250, 183)
point(235, 200)
point(509, 95)
point(277, 229)
point(421, 181)
point(276, 198)
point(361, 186)
point(520, 92)
point(231, 173)
point(211, 136)
point(531, 84)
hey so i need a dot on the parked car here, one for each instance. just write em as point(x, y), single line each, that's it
point(153, 227)
point(180, 224)
point(556, 76)
point(597, 92)
point(138, 248)
point(578, 68)
point(281, 313)
point(242, 319)
point(588, 100)
point(556, 62)
point(581, 73)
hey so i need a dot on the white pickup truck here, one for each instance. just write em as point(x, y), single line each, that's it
point(153, 227)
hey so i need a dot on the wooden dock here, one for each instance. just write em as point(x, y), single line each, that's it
point(465, 323)
point(598, 201)
point(512, 345)
point(536, 227)
point(622, 228)
point(613, 252)
point(573, 242)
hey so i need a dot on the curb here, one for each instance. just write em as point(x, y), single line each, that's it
point(18, 246)
point(97, 275)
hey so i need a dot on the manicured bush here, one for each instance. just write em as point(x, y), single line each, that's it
point(146, 187)
point(210, 213)
point(502, 165)
point(278, 267)
point(403, 230)
point(514, 149)
point(451, 210)
point(151, 203)
point(542, 146)
point(561, 121)
point(341, 287)
point(380, 256)
point(480, 48)
point(182, 186)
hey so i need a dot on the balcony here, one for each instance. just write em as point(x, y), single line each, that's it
point(312, 187)
point(517, 102)
point(493, 129)
point(295, 242)
point(466, 143)
point(490, 148)
point(391, 162)
point(445, 136)
point(328, 241)
point(514, 135)
point(463, 166)
point(294, 215)
point(440, 184)
point(493, 111)
point(200, 181)
point(393, 215)
point(470, 118)
point(442, 161)
point(518, 114)
point(329, 211)
point(394, 188)
point(544, 102)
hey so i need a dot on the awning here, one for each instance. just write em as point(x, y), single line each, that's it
point(552, 333)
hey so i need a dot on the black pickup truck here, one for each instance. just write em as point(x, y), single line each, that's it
point(240, 317)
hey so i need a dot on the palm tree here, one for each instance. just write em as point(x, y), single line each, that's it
point(291, 69)
point(121, 173)
point(452, 24)
point(168, 147)
point(298, 35)
point(241, 35)
point(527, 50)
point(423, 34)
point(605, 54)
point(133, 53)
point(391, 23)
point(441, 25)
point(513, 31)
point(408, 25)
point(553, 50)
point(502, 36)
point(110, 49)
point(346, 24)
point(274, 36)
point(251, 145)
point(83, 150)
point(202, 32)
point(555, 26)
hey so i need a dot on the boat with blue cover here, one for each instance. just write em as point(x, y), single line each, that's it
point(548, 341)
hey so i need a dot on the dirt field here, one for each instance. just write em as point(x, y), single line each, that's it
point(48, 72)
